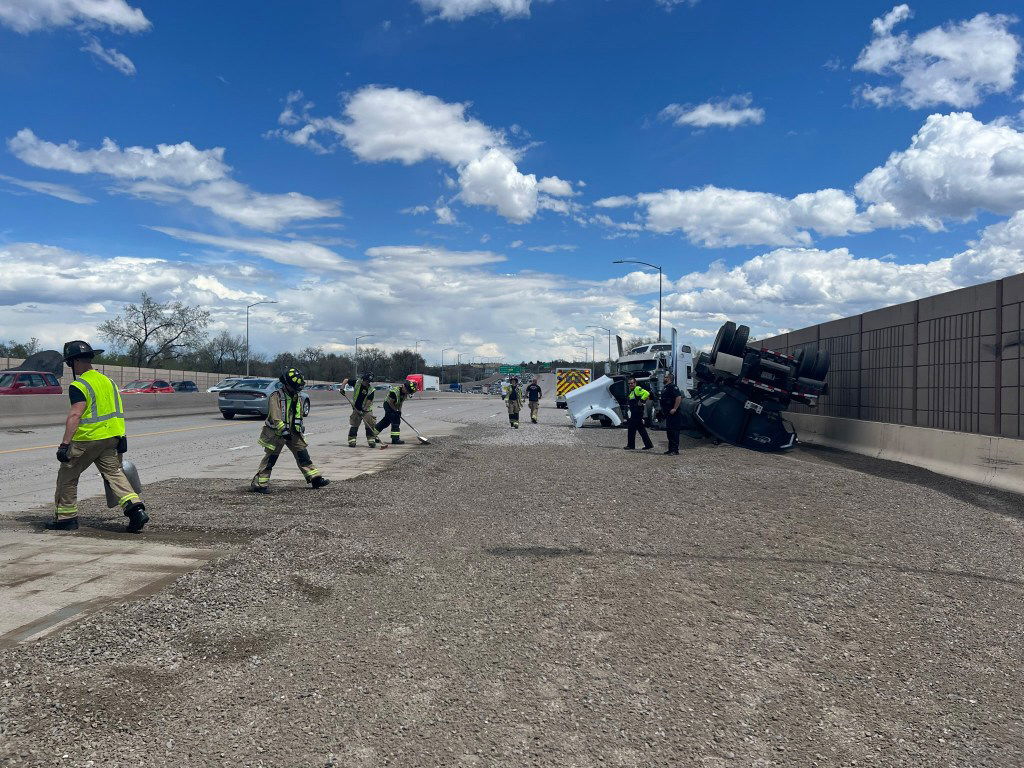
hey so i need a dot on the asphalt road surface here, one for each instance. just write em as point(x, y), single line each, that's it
point(541, 597)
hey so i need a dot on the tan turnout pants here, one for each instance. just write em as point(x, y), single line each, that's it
point(272, 445)
point(366, 418)
point(85, 453)
point(534, 409)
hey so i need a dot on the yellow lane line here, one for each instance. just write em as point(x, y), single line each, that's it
point(141, 434)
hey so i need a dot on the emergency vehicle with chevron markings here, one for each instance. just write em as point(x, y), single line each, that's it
point(568, 379)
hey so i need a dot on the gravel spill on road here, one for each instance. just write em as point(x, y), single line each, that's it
point(472, 605)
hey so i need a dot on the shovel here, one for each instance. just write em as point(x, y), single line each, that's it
point(133, 479)
point(421, 438)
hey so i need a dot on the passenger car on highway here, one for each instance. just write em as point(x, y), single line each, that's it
point(29, 383)
point(147, 387)
point(251, 397)
point(229, 382)
point(184, 386)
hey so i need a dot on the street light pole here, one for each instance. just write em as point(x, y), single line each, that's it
point(660, 275)
point(446, 349)
point(247, 331)
point(364, 336)
point(418, 342)
point(609, 330)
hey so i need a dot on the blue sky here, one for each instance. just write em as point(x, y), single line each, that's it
point(682, 134)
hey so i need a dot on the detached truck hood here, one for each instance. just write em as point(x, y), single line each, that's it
point(591, 400)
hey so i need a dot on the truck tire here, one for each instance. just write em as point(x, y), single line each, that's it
point(305, 408)
point(723, 340)
point(822, 362)
point(739, 342)
point(228, 414)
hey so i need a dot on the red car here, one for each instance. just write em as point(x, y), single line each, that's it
point(29, 383)
point(147, 387)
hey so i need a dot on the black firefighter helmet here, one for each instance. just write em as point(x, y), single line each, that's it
point(78, 348)
point(293, 379)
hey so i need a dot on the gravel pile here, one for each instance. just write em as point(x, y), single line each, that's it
point(469, 606)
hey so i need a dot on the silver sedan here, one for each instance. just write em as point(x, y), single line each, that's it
point(251, 397)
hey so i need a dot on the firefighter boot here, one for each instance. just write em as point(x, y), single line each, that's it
point(137, 517)
point(63, 524)
point(319, 481)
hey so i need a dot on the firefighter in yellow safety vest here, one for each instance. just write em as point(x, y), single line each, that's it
point(284, 428)
point(94, 433)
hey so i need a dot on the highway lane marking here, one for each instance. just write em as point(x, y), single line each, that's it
point(141, 434)
point(238, 448)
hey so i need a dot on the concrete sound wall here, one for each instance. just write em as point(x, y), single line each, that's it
point(950, 361)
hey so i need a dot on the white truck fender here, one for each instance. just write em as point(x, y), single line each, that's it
point(596, 410)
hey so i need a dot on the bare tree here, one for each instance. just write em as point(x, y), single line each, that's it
point(152, 331)
point(637, 341)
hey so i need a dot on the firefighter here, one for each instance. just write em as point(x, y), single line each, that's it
point(362, 411)
point(284, 427)
point(671, 401)
point(514, 401)
point(397, 395)
point(93, 434)
point(637, 397)
point(533, 396)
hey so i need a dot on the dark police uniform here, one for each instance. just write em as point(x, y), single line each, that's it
point(673, 421)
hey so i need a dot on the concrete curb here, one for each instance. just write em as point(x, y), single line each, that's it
point(995, 462)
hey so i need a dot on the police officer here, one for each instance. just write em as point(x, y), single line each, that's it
point(93, 434)
point(514, 401)
point(671, 401)
point(284, 427)
point(533, 396)
point(637, 397)
point(362, 411)
point(397, 395)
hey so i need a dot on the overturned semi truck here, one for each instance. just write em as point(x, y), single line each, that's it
point(738, 392)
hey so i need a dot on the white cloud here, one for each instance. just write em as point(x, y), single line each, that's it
point(26, 16)
point(381, 124)
point(728, 113)
point(552, 185)
point(174, 173)
point(957, 64)
point(445, 215)
point(177, 163)
point(456, 10)
point(295, 253)
point(552, 248)
point(110, 56)
point(716, 217)
point(60, 191)
point(999, 252)
point(616, 201)
point(954, 166)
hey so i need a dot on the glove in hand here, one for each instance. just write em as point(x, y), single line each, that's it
point(64, 453)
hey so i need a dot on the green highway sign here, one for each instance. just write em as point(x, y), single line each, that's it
point(514, 369)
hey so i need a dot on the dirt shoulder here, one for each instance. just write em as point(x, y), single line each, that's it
point(472, 605)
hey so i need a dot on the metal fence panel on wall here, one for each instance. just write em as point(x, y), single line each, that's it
point(950, 361)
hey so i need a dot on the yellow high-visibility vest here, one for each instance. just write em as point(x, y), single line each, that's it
point(104, 412)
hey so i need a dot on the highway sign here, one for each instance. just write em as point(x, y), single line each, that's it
point(510, 369)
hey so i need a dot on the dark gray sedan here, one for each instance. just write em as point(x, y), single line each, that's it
point(250, 397)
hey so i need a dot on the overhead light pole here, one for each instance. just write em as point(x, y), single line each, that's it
point(593, 350)
point(418, 342)
point(660, 275)
point(250, 306)
point(446, 349)
point(609, 330)
point(364, 336)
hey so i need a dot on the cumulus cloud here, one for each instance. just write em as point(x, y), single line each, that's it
point(956, 64)
point(728, 113)
point(954, 166)
point(173, 173)
point(997, 253)
point(716, 217)
point(380, 124)
point(110, 56)
point(26, 16)
point(456, 10)
point(59, 191)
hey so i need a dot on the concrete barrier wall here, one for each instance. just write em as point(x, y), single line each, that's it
point(951, 362)
point(48, 410)
point(997, 462)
